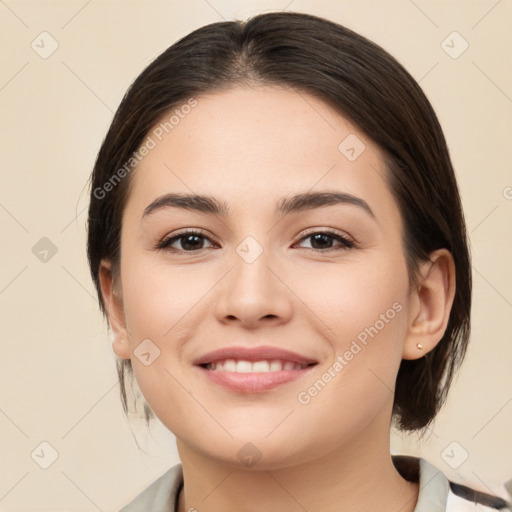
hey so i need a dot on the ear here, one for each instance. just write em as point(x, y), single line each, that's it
point(431, 304)
point(112, 298)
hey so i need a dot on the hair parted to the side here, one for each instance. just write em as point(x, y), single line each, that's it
point(362, 82)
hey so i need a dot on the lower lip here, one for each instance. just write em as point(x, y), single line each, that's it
point(253, 382)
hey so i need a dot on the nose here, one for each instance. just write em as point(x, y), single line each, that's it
point(254, 294)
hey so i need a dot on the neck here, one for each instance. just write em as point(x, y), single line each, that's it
point(357, 476)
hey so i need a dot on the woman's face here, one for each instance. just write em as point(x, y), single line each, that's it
point(264, 272)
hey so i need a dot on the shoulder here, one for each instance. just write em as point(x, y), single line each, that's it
point(161, 495)
point(438, 494)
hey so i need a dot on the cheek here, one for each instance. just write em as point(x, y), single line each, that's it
point(157, 298)
point(364, 311)
point(357, 299)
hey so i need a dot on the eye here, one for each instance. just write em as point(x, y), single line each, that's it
point(187, 241)
point(323, 241)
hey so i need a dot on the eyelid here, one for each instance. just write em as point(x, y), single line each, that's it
point(164, 243)
point(345, 242)
point(326, 230)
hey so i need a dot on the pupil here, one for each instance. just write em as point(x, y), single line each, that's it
point(320, 237)
point(195, 244)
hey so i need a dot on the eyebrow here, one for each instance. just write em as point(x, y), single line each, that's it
point(287, 205)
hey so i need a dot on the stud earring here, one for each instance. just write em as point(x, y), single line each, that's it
point(420, 346)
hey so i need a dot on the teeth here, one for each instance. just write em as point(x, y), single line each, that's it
point(241, 366)
point(260, 366)
point(244, 367)
point(229, 366)
point(276, 366)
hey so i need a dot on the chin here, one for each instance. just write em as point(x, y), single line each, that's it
point(254, 453)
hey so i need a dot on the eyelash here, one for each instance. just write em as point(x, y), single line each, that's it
point(167, 242)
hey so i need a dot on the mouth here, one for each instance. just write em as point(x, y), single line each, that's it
point(253, 370)
point(263, 366)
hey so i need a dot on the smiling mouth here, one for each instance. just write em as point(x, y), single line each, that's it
point(263, 366)
point(243, 376)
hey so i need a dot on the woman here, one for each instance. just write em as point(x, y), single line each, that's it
point(278, 244)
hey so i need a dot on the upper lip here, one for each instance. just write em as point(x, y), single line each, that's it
point(253, 354)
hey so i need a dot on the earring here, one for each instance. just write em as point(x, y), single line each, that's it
point(420, 346)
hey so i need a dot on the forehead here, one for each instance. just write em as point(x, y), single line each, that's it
point(251, 146)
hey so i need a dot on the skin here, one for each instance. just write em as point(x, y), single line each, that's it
point(249, 147)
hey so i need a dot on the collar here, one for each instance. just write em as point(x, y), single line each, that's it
point(434, 486)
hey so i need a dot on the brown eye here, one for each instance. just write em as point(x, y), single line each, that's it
point(325, 241)
point(189, 241)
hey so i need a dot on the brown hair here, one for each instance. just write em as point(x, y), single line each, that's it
point(362, 82)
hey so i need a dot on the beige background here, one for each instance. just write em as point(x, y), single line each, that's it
point(57, 377)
